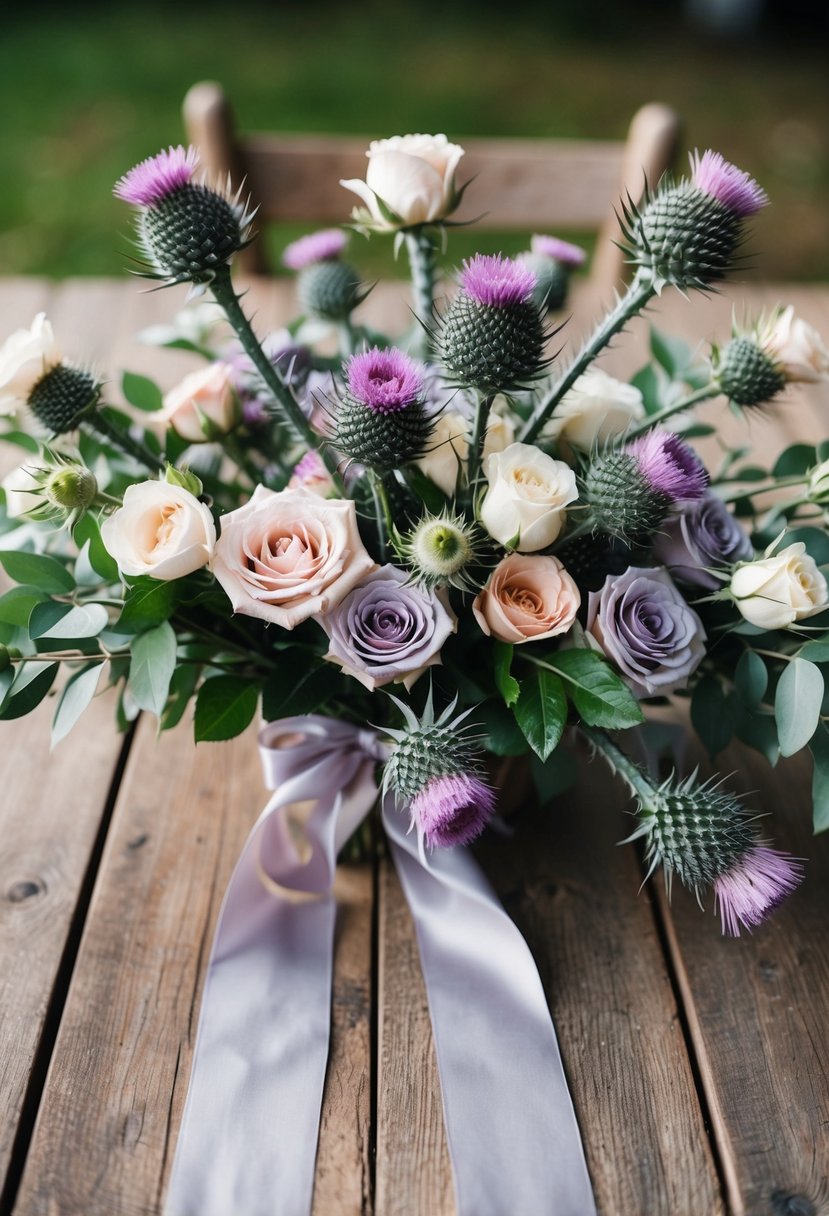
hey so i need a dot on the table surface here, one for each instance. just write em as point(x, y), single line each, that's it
point(698, 1065)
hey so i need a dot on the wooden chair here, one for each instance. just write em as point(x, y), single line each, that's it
point(544, 185)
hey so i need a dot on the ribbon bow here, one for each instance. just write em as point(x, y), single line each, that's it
point(248, 1140)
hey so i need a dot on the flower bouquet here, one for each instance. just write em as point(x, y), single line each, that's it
point(413, 553)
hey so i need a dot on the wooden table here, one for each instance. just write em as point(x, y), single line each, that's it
point(698, 1065)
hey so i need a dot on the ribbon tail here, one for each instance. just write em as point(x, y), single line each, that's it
point(514, 1141)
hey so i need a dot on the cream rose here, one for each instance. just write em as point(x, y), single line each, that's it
point(161, 530)
point(527, 599)
point(797, 348)
point(289, 555)
point(204, 405)
point(776, 591)
point(25, 357)
point(24, 492)
point(449, 446)
point(411, 175)
point(596, 408)
point(528, 492)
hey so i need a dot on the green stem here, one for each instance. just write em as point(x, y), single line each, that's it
point(101, 427)
point(750, 489)
point(630, 773)
point(476, 445)
point(227, 299)
point(639, 292)
point(420, 247)
point(652, 420)
point(382, 511)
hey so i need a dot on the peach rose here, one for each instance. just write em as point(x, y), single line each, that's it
point(288, 555)
point(527, 598)
point(204, 405)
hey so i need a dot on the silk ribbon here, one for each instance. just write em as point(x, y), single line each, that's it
point(248, 1140)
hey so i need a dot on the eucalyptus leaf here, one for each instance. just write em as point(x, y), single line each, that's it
point(712, 714)
point(31, 685)
point(225, 706)
point(37, 570)
point(796, 459)
point(87, 532)
point(152, 666)
point(77, 693)
point(751, 679)
point(18, 604)
point(541, 711)
point(141, 392)
point(797, 704)
point(64, 622)
point(819, 747)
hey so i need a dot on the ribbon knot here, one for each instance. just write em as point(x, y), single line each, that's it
point(248, 1139)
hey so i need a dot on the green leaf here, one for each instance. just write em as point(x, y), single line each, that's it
point(31, 685)
point(225, 706)
point(152, 666)
point(182, 686)
point(760, 732)
point(554, 776)
point(141, 392)
point(300, 684)
point(819, 747)
point(650, 386)
point(77, 693)
point(815, 652)
point(797, 705)
point(815, 540)
point(148, 602)
point(711, 714)
point(86, 530)
point(18, 604)
point(751, 679)
point(503, 735)
point(797, 459)
point(64, 621)
point(541, 711)
point(37, 570)
point(507, 685)
point(671, 353)
point(601, 696)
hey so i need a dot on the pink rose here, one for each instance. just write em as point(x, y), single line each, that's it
point(527, 598)
point(286, 556)
point(204, 405)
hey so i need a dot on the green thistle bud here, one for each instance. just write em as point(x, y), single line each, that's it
point(190, 232)
point(621, 500)
point(746, 373)
point(71, 488)
point(330, 290)
point(63, 397)
point(440, 549)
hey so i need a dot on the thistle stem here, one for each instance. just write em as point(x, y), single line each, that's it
point(382, 511)
point(476, 447)
point(639, 292)
point(227, 299)
point(630, 773)
point(102, 428)
point(652, 420)
point(420, 247)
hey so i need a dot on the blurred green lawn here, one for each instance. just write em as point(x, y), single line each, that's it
point(86, 91)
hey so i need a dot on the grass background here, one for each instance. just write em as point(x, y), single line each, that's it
point(88, 90)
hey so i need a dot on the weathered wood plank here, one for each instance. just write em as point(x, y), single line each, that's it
point(114, 1096)
point(572, 892)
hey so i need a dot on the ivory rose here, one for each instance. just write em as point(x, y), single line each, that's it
point(527, 599)
point(778, 590)
point(528, 491)
point(161, 530)
point(797, 348)
point(449, 446)
point(288, 555)
point(596, 409)
point(23, 491)
point(25, 357)
point(412, 176)
point(204, 405)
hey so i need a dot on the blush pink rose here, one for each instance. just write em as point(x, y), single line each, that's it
point(286, 556)
point(526, 599)
point(204, 405)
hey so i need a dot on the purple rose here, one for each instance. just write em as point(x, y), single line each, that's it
point(387, 629)
point(703, 534)
point(644, 626)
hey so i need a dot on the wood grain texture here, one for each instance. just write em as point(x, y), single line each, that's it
point(115, 1092)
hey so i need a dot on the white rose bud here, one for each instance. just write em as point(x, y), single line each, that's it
point(797, 348)
point(595, 409)
point(776, 591)
point(449, 446)
point(161, 530)
point(25, 357)
point(204, 405)
point(527, 495)
point(24, 492)
point(413, 176)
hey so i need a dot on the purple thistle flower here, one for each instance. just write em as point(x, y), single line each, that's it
point(157, 176)
point(497, 281)
point(754, 886)
point(323, 246)
point(723, 181)
point(384, 380)
point(453, 809)
point(558, 250)
point(669, 465)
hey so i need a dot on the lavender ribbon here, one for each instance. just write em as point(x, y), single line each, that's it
point(248, 1139)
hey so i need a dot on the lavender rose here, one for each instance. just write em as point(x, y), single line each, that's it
point(703, 534)
point(644, 626)
point(386, 629)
